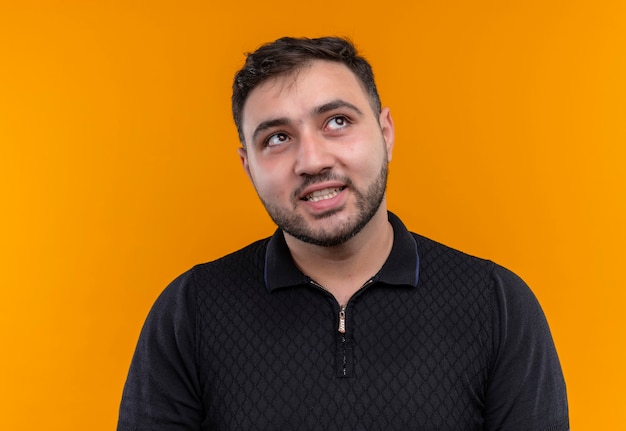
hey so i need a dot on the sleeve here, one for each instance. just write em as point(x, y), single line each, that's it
point(162, 390)
point(526, 389)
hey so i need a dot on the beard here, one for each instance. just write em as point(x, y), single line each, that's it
point(367, 204)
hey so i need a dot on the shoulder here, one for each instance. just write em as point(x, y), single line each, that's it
point(441, 265)
point(437, 259)
point(437, 252)
point(237, 264)
point(233, 269)
point(496, 290)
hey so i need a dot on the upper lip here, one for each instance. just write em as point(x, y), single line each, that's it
point(320, 186)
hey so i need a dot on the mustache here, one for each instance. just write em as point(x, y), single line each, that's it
point(309, 180)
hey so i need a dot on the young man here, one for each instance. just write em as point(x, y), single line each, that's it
point(343, 319)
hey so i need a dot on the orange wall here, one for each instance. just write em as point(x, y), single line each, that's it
point(119, 170)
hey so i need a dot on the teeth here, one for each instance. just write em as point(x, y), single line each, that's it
point(323, 194)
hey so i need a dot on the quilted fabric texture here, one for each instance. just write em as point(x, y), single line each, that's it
point(416, 356)
point(221, 351)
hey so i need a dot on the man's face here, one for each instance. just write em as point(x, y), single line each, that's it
point(316, 152)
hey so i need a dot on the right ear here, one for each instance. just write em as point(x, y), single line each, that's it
point(243, 156)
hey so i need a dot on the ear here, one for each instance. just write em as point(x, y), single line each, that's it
point(386, 127)
point(243, 156)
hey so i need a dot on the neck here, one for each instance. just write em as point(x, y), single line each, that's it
point(343, 269)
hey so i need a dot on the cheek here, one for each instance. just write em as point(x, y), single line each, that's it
point(367, 147)
point(270, 182)
point(367, 159)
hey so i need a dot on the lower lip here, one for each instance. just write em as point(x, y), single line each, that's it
point(327, 204)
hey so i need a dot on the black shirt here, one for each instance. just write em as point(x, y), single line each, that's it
point(437, 340)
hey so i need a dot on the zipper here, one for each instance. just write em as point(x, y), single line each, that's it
point(342, 319)
point(344, 355)
point(342, 307)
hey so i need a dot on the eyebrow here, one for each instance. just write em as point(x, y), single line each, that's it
point(336, 104)
point(322, 109)
point(269, 124)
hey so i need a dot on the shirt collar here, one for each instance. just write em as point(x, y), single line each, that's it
point(401, 267)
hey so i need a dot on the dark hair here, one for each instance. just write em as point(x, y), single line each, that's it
point(288, 54)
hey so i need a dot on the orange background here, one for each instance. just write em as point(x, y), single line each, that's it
point(119, 170)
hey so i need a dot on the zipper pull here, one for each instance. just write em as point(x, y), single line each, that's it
point(342, 319)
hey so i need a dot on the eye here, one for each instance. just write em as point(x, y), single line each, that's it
point(337, 122)
point(276, 139)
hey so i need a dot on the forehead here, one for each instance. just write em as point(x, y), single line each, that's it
point(299, 92)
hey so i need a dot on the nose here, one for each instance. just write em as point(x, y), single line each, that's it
point(314, 155)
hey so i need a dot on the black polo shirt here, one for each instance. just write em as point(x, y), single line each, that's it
point(437, 340)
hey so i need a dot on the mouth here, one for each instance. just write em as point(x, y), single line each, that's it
point(320, 195)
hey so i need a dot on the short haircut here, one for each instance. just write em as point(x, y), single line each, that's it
point(287, 55)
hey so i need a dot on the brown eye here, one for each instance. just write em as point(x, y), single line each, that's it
point(276, 139)
point(337, 122)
